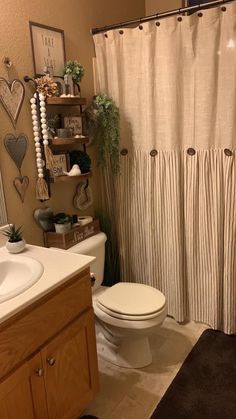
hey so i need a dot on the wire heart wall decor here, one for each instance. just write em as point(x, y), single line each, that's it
point(16, 147)
point(21, 184)
point(12, 96)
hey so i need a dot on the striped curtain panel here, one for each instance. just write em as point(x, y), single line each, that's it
point(175, 199)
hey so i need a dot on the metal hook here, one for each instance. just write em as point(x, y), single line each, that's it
point(27, 79)
point(7, 62)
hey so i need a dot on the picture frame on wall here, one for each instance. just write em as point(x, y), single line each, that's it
point(48, 49)
point(74, 123)
point(61, 164)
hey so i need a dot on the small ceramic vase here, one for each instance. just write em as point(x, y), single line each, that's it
point(15, 247)
point(62, 228)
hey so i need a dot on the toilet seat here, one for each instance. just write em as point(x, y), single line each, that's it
point(131, 301)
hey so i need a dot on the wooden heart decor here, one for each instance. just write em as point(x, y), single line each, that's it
point(12, 96)
point(16, 147)
point(21, 184)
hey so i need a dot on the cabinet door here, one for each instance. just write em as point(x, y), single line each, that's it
point(71, 372)
point(22, 394)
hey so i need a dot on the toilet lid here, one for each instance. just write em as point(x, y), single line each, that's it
point(132, 299)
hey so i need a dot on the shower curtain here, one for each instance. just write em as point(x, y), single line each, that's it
point(174, 203)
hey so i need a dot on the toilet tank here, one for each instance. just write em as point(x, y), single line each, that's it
point(93, 246)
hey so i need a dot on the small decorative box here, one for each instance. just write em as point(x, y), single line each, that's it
point(72, 237)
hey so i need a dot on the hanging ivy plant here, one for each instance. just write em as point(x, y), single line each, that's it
point(103, 127)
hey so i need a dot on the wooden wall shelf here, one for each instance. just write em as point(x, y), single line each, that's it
point(69, 141)
point(71, 101)
point(65, 178)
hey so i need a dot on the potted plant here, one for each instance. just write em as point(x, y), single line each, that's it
point(76, 70)
point(15, 242)
point(62, 222)
point(102, 118)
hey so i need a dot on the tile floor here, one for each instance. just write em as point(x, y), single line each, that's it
point(134, 394)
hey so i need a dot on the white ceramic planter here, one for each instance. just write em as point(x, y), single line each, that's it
point(15, 247)
point(62, 228)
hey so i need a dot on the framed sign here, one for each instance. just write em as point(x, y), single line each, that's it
point(74, 122)
point(48, 48)
point(61, 164)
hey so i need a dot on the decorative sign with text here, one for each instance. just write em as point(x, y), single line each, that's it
point(48, 47)
point(74, 122)
point(60, 164)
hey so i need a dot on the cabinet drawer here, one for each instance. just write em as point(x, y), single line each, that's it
point(25, 333)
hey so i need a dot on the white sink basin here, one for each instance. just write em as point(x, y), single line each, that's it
point(17, 274)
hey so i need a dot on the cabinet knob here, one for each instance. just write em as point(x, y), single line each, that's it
point(51, 361)
point(39, 372)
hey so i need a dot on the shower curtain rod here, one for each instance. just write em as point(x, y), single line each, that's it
point(174, 12)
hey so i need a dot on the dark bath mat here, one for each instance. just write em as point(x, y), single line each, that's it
point(205, 386)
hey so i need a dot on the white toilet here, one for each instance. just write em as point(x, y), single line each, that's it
point(126, 313)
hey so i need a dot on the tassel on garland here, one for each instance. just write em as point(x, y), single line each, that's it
point(42, 189)
point(50, 162)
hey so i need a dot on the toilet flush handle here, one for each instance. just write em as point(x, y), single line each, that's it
point(92, 279)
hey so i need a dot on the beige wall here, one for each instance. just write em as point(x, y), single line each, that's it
point(76, 18)
point(155, 6)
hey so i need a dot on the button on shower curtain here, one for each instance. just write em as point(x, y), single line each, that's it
point(175, 210)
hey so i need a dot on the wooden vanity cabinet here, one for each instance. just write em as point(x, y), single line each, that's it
point(22, 395)
point(59, 378)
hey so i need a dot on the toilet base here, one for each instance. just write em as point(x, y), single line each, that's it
point(127, 353)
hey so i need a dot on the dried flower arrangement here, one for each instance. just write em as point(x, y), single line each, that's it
point(46, 86)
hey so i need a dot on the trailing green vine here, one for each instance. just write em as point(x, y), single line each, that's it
point(103, 127)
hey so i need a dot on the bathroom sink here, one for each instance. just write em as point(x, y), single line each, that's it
point(17, 274)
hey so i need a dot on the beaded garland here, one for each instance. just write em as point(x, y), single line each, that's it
point(41, 185)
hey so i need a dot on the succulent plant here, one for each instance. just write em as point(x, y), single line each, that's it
point(61, 218)
point(14, 234)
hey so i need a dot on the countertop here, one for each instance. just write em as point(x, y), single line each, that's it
point(59, 266)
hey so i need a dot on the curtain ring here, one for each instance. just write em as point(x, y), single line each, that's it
point(157, 23)
point(180, 17)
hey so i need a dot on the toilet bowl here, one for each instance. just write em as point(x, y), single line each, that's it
point(126, 313)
